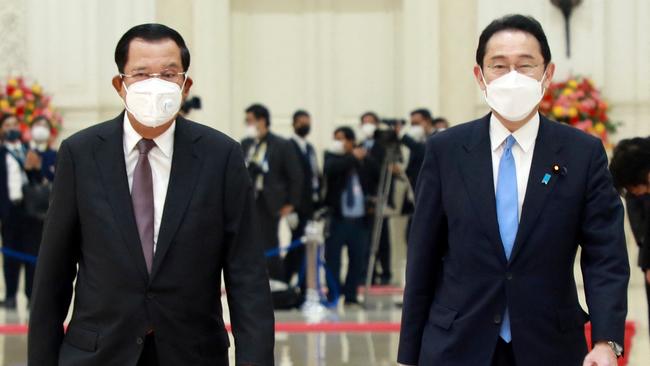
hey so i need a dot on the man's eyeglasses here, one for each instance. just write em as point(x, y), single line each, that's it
point(173, 77)
point(502, 69)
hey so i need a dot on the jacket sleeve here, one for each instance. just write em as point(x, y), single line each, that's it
point(293, 173)
point(335, 165)
point(428, 236)
point(246, 279)
point(604, 260)
point(56, 267)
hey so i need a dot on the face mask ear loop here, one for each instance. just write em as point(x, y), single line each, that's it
point(480, 69)
point(542, 82)
point(124, 100)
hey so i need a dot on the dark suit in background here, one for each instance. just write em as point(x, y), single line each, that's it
point(345, 229)
point(638, 210)
point(376, 156)
point(416, 158)
point(310, 197)
point(19, 231)
point(458, 280)
point(282, 181)
point(207, 227)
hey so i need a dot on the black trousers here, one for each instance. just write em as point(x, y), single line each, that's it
point(647, 292)
point(21, 234)
point(352, 233)
point(503, 354)
point(383, 256)
point(149, 357)
point(268, 229)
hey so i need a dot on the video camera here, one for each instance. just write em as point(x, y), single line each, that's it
point(386, 134)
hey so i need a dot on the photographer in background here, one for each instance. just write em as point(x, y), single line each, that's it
point(350, 174)
point(371, 130)
point(630, 168)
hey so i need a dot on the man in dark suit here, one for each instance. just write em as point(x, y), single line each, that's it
point(503, 203)
point(274, 168)
point(369, 125)
point(414, 138)
point(630, 167)
point(310, 197)
point(350, 173)
point(148, 210)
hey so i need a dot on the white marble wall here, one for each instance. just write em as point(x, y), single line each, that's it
point(335, 58)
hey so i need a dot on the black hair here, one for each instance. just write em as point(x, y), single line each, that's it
point(425, 113)
point(519, 22)
point(42, 118)
point(439, 119)
point(371, 114)
point(4, 118)
point(151, 32)
point(630, 163)
point(347, 132)
point(299, 113)
point(260, 112)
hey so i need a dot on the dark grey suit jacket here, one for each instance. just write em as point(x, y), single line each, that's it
point(283, 182)
point(91, 235)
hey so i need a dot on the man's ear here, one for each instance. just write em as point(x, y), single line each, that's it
point(550, 71)
point(119, 86)
point(478, 75)
point(186, 89)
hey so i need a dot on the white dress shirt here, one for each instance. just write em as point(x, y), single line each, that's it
point(302, 143)
point(16, 176)
point(522, 152)
point(160, 159)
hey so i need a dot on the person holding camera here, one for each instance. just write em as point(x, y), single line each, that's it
point(350, 175)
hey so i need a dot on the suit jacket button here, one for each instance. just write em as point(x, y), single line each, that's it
point(508, 276)
point(497, 319)
point(139, 340)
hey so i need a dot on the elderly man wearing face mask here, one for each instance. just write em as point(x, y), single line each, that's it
point(149, 212)
point(502, 205)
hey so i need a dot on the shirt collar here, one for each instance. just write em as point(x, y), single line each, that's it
point(164, 142)
point(525, 136)
point(302, 142)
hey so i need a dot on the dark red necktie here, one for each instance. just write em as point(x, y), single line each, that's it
point(142, 197)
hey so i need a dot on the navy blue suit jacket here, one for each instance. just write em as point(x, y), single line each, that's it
point(458, 281)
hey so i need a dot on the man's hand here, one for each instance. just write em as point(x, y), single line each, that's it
point(285, 210)
point(601, 355)
point(359, 153)
point(647, 275)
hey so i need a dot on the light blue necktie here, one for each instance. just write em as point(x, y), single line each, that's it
point(507, 213)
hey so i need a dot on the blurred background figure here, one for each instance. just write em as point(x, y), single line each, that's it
point(350, 174)
point(274, 168)
point(440, 124)
point(190, 104)
point(310, 189)
point(370, 123)
point(26, 174)
point(630, 167)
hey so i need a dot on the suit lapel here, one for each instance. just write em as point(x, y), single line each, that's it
point(545, 156)
point(476, 167)
point(184, 173)
point(109, 156)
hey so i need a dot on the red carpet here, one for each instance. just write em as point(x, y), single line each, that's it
point(350, 327)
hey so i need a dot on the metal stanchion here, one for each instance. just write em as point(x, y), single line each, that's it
point(312, 308)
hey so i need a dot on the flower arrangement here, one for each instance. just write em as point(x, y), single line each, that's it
point(578, 103)
point(27, 101)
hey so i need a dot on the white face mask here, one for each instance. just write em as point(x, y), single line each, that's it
point(40, 134)
point(252, 132)
point(336, 147)
point(514, 95)
point(416, 132)
point(368, 130)
point(153, 101)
